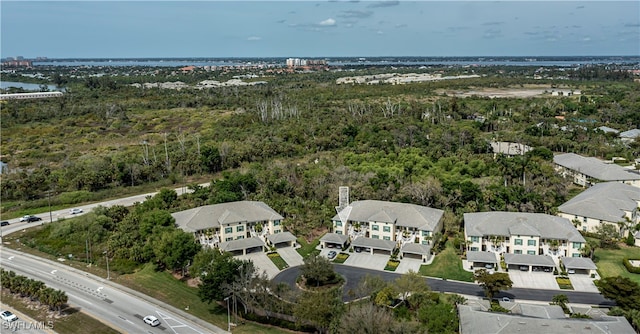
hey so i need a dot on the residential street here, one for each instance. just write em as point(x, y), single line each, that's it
point(353, 275)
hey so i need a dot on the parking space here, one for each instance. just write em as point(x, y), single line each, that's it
point(261, 262)
point(533, 280)
point(366, 260)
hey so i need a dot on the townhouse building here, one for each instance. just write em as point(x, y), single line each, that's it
point(587, 171)
point(381, 226)
point(237, 227)
point(530, 240)
point(611, 203)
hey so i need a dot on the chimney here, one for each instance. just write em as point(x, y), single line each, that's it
point(343, 197)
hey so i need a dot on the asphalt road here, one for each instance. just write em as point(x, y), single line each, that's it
point(115, 305)
point(353, 275)
point(17, 225)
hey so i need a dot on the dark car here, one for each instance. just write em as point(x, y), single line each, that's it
point(4, 223)
point(31, 219)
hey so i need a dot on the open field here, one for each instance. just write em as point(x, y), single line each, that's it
point(609, 261)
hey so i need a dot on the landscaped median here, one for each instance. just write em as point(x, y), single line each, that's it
point(277, 260)
point(392, 265)
point(341, 258)
point(564, 283)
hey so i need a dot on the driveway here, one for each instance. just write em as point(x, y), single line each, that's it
point(583, 282)
point(262, 263)
point(290, 256)
point(533, 280)
point(407, 264)
point(366, 260)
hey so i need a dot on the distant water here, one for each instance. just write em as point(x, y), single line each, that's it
point(27, 86)
point(399, 61)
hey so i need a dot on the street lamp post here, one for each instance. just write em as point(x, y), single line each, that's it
point(228, 315)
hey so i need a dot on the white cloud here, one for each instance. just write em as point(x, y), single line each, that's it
point(254, 38)
point(328, 22)
point(586, 39)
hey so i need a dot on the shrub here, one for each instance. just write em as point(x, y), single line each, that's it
point(629, 266)
point(392, 265)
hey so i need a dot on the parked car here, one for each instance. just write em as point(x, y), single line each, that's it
point(332, 254)
point(75, 211)
point(506, 299)
point(358, 249)
point(30, 219)
point(8, 316)
point(524, 268)
point(151, 321)
point(488, 266)
point(571, 271)
point(4, 223)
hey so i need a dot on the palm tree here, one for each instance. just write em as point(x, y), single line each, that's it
point(58, 299)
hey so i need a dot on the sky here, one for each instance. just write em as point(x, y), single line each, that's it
point(337, 28)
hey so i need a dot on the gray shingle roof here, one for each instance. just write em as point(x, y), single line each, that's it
point(277, 238)
point(334, 238)
point(210, 216)
point(594, 168)
point(633, 133)
point(501, 223)
point(509, 148)
point(607, 129)
point(414, 248)
point(606, 201)
point(402, 214)
point(486, 257)
point(578, 263)
point(240, 244)
point(374, 243)
point(473, 320)
point(526, 259)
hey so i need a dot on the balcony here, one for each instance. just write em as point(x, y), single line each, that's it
point(355, 231)
point(211, 240)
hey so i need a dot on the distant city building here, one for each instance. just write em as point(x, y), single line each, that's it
point(17, 63)
point(297, 62)
point(25, 96)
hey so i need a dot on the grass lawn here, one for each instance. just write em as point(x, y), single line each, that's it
point(278, 260)
point(164, 287)
point(564, 283)
point(72, 322)
point(306, 248)
point(447, 264)
point(609, 261)
point(341, 258)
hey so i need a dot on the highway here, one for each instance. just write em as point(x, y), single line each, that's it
point(17, 225)
point(115, 305)
point(353, 275)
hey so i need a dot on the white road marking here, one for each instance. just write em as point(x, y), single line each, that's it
point(53, 272)
point(100, 288)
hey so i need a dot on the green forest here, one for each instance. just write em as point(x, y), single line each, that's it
point(290, 143)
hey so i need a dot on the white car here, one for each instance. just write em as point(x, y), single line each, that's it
point(151, 321)
point(8, 316)
point(75, 211)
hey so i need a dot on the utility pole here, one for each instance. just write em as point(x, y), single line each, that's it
point(228, 315)
point(49, 201)
point(106, 255)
